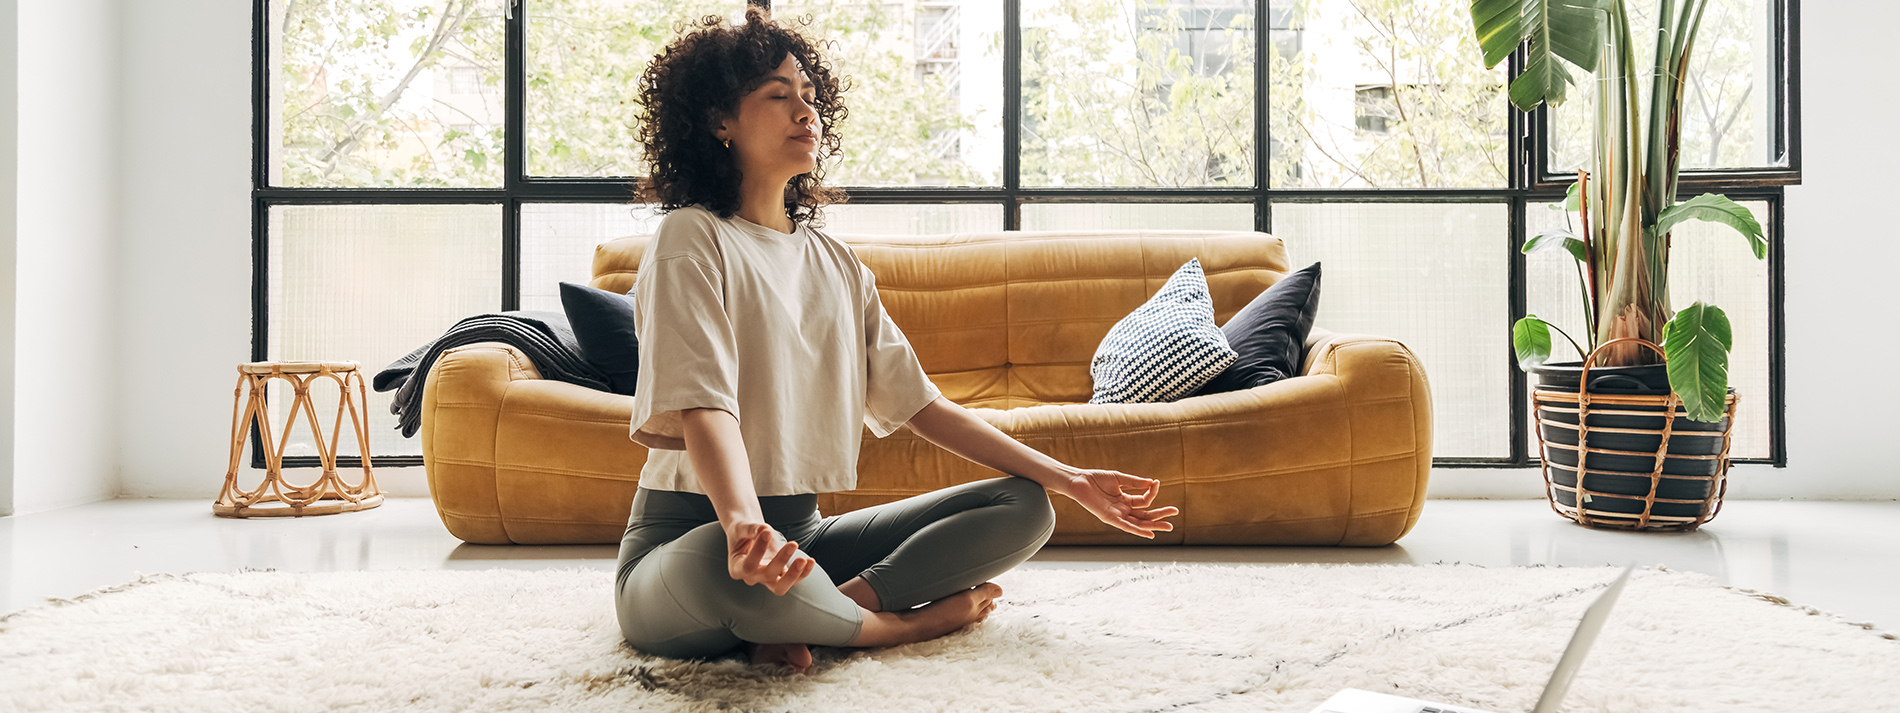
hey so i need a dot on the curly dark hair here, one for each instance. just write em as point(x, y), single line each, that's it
point(702, 75)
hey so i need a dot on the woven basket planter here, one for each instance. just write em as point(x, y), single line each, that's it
point(1641, 471)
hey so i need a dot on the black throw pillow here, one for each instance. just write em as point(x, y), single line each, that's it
point(603, 324)
point(1269, 334)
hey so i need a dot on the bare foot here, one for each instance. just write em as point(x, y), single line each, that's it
point(955, 611)
point(797, 656)
point(887, 628)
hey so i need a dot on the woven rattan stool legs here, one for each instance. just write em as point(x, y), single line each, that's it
point(297, 501)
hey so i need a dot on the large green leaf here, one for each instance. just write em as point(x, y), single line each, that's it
point(1500, 28)
point(1530, 338)
point(1570, 30)
point(1696, 345)
point(1715, 209)
point(1556, 237)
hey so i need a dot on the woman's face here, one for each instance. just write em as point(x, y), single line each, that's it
point(775, 133)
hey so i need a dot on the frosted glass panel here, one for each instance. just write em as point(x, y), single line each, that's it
point(893, 219)
point(1707, 262)
point(370, 284)
point(558, 239)
point(1157, 216)
point(1433, 276)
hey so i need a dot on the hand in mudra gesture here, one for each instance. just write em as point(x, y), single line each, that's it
point(1100, 492)
point(756, 555)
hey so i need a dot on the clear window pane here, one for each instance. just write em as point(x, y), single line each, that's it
point(1728, 117)
point(584, 62)
point(400, 93)
point(923, 88)
point(1434, 277)
point(926, 95)
point(1138, 93)
point(1707, 262)
point(558, 240)
point(370, 284)
point(1160, 216)
point(1383, 94)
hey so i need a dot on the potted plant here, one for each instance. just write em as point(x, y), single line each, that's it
point(1647, 472)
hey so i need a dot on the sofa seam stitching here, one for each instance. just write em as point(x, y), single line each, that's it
point(494, 472)
point(1353, 516)
point(1306, 469)
point(532, 468)
point(1352, 471)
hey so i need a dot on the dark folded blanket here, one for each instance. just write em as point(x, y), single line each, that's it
point(544, 336)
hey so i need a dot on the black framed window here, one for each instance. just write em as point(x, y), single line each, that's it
point(419, 161)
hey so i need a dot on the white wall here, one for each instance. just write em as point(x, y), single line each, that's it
point(9, 232)
point(186, 252)
point(1841, 260)
point(185, 307)
point(66, 364)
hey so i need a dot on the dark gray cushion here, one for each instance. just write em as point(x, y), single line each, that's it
point(1269, 334)
point(603, 324)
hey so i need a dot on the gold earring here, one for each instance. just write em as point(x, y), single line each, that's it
point(728, 143)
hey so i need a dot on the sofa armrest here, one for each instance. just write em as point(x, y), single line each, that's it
point(1389, 402)
point(512, 457)
point(461, 407)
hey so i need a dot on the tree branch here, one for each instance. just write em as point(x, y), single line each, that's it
point(445, 29)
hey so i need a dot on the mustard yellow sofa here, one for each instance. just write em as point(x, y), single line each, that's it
point(1005, 323)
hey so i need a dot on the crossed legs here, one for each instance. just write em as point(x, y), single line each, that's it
point(940, 547)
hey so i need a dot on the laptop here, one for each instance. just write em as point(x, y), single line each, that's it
point(1353, 700)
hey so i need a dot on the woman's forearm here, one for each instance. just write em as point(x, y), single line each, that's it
point(717, 451)
point(955, 429)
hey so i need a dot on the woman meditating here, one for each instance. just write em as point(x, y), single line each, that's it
point(764, 346)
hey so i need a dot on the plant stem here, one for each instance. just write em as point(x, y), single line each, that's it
point(1573, 343)
point(1586, 306)
point(1589, 255)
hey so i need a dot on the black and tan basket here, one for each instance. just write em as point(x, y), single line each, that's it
point(1628, 505)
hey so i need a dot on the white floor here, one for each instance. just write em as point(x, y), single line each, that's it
point(1839, 557)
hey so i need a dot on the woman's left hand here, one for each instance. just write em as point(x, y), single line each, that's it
point(1100, 492)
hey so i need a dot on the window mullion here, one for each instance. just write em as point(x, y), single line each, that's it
point(514, 149)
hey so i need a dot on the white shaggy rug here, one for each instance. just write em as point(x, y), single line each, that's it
point(1137, 637)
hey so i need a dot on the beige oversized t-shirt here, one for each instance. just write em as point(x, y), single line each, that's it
point(784, 331)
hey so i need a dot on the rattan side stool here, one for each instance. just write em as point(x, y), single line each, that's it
point(297, 501)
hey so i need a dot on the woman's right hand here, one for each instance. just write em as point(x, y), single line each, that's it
point(754, 555)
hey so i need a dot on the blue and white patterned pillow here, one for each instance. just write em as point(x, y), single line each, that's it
point(1166, 348)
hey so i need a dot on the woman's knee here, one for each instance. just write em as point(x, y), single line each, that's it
point(813, 611)
point(1031, 499)
point(677, 600)
point(654, 623)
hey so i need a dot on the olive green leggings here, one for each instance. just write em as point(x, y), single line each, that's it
point(675, 598)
